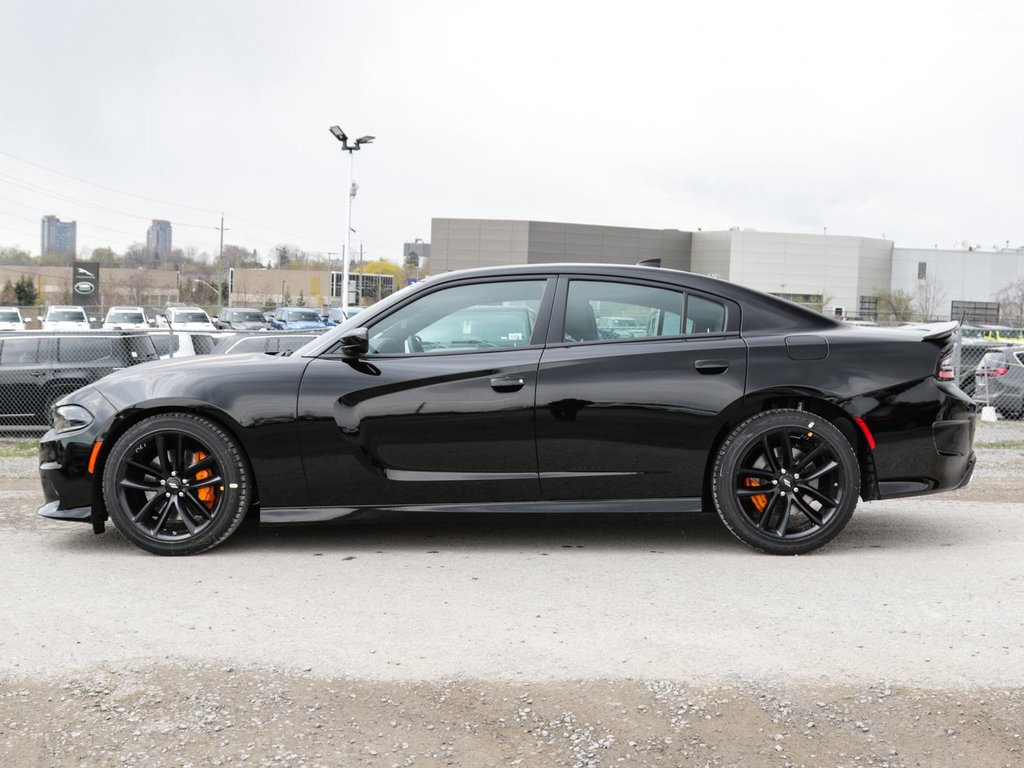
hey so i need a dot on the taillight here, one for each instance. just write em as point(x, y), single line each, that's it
point(996, 371)
point(946, 372)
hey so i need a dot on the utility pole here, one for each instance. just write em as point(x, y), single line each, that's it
point(341, 136)
point(220, 260)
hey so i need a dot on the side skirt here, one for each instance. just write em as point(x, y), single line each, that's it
point(286, 515)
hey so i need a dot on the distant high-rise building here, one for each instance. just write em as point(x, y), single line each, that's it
point(58, 236)
point(158, 239)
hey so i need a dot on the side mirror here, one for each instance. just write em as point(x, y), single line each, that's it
point(355, 343)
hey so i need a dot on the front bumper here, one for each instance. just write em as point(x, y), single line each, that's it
point(70, 491)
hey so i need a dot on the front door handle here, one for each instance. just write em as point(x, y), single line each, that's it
point(508, 383)
point(710, 367)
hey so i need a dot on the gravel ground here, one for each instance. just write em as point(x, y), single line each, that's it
point(267, 709)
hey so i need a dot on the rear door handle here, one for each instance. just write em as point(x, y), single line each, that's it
point(709, 367)
point(508, 383)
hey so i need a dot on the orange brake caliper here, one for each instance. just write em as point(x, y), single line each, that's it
point(760, 501)
point(207, 495)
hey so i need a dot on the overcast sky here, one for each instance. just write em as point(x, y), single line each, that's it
point(902, 119)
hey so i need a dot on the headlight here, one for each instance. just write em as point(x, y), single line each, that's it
point(68, 418)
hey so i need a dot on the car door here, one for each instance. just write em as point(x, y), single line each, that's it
point(440, 408)
point(632, 414)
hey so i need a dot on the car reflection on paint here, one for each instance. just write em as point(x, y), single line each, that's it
point(495, 390)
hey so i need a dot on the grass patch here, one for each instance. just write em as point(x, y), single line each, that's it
point(1008, 444)
point(19, 449)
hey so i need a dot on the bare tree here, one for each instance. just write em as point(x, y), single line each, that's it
point(1011, 303)
point(895, 305)
point(929, 298)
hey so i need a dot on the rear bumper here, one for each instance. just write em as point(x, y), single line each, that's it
point(929, 449)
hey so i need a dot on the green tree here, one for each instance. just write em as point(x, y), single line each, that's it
point(7, 295)
point(26, 292)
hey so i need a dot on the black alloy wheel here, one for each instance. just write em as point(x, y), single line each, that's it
point(785, 482)
point(176, 484)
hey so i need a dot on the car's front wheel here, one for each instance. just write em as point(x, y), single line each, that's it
point(176, 484)
point(785, 481)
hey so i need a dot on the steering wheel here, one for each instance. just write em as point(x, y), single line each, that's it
point(413, 343)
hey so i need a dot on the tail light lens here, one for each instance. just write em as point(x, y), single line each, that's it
point(996, 371)
point(946, 371)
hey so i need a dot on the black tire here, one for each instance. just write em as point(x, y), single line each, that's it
point(176, 484)
point(785, 482)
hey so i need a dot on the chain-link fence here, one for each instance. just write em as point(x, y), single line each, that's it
point(37, 368)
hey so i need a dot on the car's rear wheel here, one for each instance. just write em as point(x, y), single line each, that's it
point(785, 482)
point(176, 484)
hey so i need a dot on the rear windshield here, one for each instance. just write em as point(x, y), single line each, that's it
point(246, 317)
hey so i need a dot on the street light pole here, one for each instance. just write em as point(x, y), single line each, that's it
point(341, 136)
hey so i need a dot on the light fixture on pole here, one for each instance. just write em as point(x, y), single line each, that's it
point(341, 136)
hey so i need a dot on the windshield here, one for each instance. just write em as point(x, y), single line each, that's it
point(302, 314)
point(66, 315)
point(190, 317)
point(243, 316)
point(126, 317)
point(9, 317)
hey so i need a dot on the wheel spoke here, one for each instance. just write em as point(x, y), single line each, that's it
point(184, 516)
point(760, 474)
point(162, 520)
point(146, 468)
point(161, 453)
point(808, 457)
point(818, 495)
point(769, 510)
point(780, 529)
point(785, 452)
point(193, 469)
point(194, 504)
point(769, 454)
point(820, 472)
point(179, 454)
point(812, 514)
point(135, 485)
point(757, 490)
point(207, 482)
point(148, 507)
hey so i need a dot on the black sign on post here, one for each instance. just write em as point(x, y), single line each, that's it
point(85, 282)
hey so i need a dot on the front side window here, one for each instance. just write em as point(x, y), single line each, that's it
point(600, 310)
point(464, 318)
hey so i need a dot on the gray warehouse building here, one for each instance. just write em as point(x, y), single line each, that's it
point(834, 273)
point(840, 275)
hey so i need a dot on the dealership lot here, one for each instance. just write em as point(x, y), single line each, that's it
point(914, 610)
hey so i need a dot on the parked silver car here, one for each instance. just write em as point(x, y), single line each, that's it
point(999, 381)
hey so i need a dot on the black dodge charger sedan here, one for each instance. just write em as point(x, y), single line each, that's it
point(503, 390)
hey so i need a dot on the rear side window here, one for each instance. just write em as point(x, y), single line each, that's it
point(165, 343)
point(82, 350)
point(19, 352)
point(600, 310)
point(139, 349)
point(202, 344)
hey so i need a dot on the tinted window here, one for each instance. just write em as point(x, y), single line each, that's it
point(600, 310)
point(165, 343)
point(203, 345)
point(82, 350)
point(481, 316)
point(9, 317)
point(19, 352)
